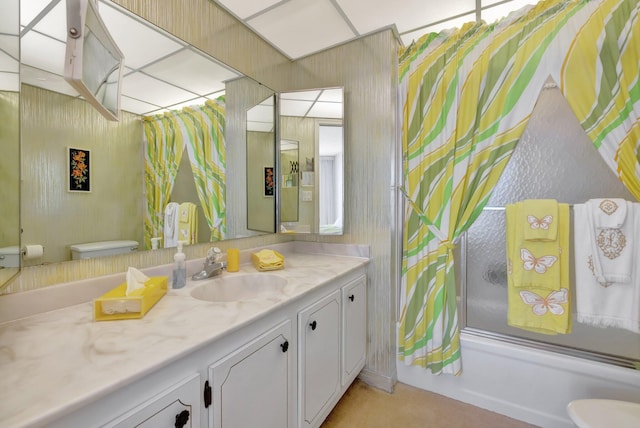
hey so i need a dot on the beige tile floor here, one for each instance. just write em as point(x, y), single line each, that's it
point(363, 406)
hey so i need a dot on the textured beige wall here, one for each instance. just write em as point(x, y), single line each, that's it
point(367, 69)
point(304, 132)
point(9, 169)
point(113, 209)
point(260, 208)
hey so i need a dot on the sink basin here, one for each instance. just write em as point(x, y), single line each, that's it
point(244, 287)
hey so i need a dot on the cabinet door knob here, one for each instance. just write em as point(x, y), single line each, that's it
point(352, 297)
point(182, 419)
point(285, 346)
point(313, 325)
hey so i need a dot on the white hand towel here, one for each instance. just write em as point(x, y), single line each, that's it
point(611, 248)
point(617, 305)
point(171, 225)
point(608, 213)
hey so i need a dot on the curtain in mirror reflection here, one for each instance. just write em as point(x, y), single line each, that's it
point(201, 130)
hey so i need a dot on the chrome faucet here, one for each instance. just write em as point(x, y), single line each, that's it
point(213, 265)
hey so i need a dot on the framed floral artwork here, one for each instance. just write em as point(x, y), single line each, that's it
point(269, 182)
point(78, 170)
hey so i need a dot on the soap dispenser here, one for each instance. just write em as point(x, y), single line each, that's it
point(179, 268)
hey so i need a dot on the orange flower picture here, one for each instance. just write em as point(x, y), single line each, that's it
point(269, 182)
point(79, 170)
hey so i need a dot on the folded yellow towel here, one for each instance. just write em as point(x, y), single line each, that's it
point(541, 308)
point(534, 263)
point(267, 260)
point(540, 219)
point(188, 223)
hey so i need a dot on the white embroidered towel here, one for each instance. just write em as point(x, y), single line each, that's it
point(617, 305)
point(611, 247)
point(608, 213)
point(171, 225)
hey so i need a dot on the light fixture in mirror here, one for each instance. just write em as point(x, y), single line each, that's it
point(93, 61)
point(261, 167)
point(165, 81)
point(10, 142)
point(314, 118)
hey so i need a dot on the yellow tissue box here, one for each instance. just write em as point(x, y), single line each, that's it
point(265, 260)
point(116, 305)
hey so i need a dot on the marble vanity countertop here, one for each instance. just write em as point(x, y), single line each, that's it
point(55, 362)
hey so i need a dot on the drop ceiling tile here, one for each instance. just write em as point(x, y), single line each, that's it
point(300, 27)
point(498, 12)
point(331, 95)
point(294, 108)
point(9, 81)
point(10, 18)
point(43, 52)
point(8, 63)
point(54, 24)
point(192, 71)
point(407, 38)
point(146, 88)
point(261, 113)
point(29, 9)
point(10, 45)
point(136, 106)
point(246, 8)
point(301, 95)
point(42, 79)
point(139, 43)
point(407, 14)
point(196, 101)
point(326, 110)
point(214, 95)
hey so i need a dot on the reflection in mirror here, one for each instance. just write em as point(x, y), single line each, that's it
point(314, 118)
point(146, 161)
point(10, 142)
point(261, 179)
point(289, 166)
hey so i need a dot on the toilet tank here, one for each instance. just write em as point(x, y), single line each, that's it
point(102, 248)
point(10, 257)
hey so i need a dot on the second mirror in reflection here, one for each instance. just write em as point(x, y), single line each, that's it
point(312, 122)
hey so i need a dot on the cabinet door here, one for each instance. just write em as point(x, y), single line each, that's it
point(354, 329)
point(252, 387)
point(178, 406)
point(319, 358)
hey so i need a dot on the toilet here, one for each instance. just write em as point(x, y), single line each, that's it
point(10, 257)
point(102, 248)
point(600, 413)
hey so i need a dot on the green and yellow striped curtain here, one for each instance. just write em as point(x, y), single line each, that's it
point(466, 98)
point(600, 78)
point(201, 130)
point(204, 125)
point(162, 156)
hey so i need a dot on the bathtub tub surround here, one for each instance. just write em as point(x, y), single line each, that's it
point(78, 370)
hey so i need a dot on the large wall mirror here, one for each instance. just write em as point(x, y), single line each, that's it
point(166, 81)
point(312, 178)
point(9, 141)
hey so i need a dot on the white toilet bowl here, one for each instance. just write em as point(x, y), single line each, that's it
point(598, 413)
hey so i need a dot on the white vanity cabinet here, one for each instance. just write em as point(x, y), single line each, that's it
point(354, 328)
point(176, 407)
point(332, 347)
point(253, 386)
point(318, 358)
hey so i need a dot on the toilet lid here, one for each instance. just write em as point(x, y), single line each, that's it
point(596, 413)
